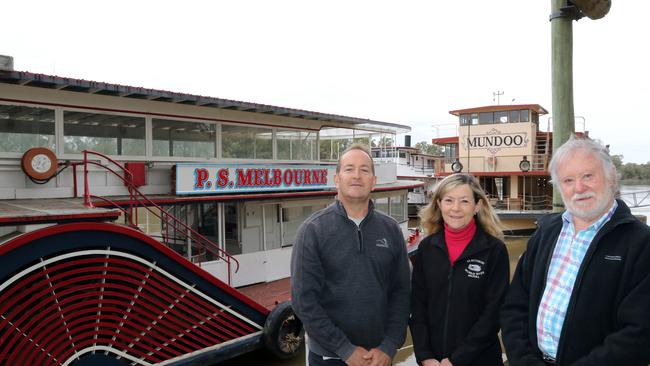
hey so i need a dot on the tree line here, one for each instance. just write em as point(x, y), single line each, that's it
point(631, 171)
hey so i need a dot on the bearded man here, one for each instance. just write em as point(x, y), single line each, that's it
point(581, 291)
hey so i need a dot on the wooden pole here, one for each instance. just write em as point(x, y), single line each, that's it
point(562, 80)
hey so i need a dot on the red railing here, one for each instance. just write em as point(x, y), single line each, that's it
point(138, 199)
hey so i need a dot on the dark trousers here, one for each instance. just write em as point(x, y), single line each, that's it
point(317, 360)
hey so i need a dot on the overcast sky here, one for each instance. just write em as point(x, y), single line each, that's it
point(407, 62)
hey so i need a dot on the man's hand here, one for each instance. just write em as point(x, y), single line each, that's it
point(446, 362)
point(357, 358)
point(430, 362)
point(377, 357)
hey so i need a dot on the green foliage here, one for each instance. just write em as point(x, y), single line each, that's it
point(428, 148)
point(631, 171)
point(384, 141)
point(618, 161)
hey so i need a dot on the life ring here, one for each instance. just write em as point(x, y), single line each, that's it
point(283, 334)
point(39, 163)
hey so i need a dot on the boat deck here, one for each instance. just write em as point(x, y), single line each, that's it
point(269, 294)
point(41, 211)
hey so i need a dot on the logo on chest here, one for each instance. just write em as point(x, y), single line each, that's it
point(382, 243)
point(475, 268)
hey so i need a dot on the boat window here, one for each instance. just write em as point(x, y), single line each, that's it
point(381, 204)
point(173, 234)
point(203, 219)
point(334, 141)
point(22, 128)
point(245, 142)
point(474, 118)
point(464, 119)
point(397, 207)
point(149, 221)
point(514, 116)
point(109, 134)
point(524, 115)
point(296, 145)
point(292, 218)
point(501, 117)
point(187, 139)
point(451, 153)
point(232, 228)
point(535, 117)
point(485, 118)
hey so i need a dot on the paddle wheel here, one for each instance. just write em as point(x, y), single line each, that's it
point(98, 293)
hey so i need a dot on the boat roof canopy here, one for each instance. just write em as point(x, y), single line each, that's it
point(498, 108)
point(123, 91)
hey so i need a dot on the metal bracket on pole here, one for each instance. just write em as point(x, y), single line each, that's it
point(567, 10)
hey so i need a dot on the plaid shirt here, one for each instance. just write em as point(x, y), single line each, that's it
point(569, 252)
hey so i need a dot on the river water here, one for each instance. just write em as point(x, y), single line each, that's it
point(638, 188)
point(405, 357)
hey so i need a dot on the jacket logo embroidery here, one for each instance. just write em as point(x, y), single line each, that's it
point(475, 268)
point(382, 243)
point(613, 258)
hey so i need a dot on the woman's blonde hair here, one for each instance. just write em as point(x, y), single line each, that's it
point(431, 216)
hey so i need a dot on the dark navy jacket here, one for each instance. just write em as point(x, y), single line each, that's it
point(455, 309)
point(608, 317)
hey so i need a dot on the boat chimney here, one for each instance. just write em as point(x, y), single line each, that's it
point(6, 63)
point(407, 140)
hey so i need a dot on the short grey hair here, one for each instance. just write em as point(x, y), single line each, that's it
point(594, 147)
point(356, 146)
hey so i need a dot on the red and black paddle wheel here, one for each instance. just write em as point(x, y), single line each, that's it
point(104, 294)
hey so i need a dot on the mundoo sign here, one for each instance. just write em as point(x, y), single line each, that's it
point(494, 140)
point(226, 178)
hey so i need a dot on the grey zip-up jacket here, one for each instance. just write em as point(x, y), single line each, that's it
point(349, 284)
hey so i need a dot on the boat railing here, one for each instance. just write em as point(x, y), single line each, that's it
point(506, 163)
point(417, 169)
point(138, 199)
point(521, 203)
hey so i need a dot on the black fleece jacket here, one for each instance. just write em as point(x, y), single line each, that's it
point(608, 317)
point(455, 309)
point(349, 284)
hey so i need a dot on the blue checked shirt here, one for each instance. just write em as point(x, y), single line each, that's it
point(568, 254)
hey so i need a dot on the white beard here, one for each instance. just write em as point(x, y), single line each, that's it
point(588, 213)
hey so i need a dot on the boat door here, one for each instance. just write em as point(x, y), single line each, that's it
point(246, 220)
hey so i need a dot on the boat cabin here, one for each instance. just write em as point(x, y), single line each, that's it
point(505, 148)
point(242, 175)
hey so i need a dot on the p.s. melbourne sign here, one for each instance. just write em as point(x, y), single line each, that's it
point(238, 178)
point(495, 140)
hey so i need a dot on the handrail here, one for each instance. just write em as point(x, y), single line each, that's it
point(528, 203)
point(138, 198)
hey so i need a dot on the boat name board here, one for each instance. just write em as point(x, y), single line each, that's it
point(494, 140)
point(239, 178)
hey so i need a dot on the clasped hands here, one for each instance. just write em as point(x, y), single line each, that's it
point(434, 362)
point(363, 357)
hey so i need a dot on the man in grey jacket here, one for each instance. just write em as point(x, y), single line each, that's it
point(350, 273)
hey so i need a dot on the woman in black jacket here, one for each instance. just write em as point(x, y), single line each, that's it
point(460, 277)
